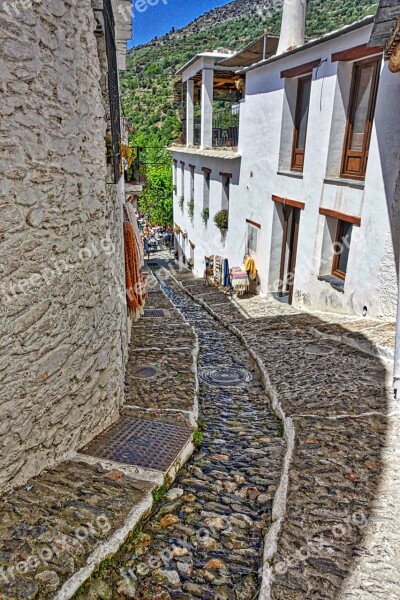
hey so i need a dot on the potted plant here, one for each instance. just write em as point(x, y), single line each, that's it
point(184, 235)
point(205, 215)
point(190, 206)
point(190, 263)
point(221, 219)
point(181, 202)
point(177, 229)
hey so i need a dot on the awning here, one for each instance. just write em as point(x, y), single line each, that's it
point(264, 47)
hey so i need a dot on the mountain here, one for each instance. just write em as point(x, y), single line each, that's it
point(147, 85)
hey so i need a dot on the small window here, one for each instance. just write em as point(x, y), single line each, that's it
point(206, 190)
point(359, 120)
point(183, 180)
point(252, 236)
point(192, 168)
point(342, 249)
point(175, 178)
point(226, 182)
point(301, 123)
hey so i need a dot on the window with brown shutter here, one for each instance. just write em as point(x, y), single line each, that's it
point(360, 117)
point(301, 123)
point(341, 249)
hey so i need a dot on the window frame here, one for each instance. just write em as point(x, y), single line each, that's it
point(347, 153)
point(296, 151)
point(192, 169)
point(206, 188)
point(255, 228)
point(336, 257)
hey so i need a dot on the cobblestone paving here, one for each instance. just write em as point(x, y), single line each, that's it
point(50, 526)
point(339, 538)
point(168, 345)
point(206, 539)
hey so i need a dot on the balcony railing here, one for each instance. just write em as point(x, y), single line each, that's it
point(225, 128)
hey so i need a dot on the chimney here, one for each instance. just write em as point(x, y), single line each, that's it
point(293, 25)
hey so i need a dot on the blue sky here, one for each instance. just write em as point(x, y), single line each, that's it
point(157, 17)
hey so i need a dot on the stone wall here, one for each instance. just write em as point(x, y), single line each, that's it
point(62, 319)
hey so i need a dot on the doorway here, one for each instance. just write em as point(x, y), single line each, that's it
point(291, 223)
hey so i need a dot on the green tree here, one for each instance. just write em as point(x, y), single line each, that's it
point(156, 199)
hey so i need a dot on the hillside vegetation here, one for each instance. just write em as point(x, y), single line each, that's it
point(147, 85)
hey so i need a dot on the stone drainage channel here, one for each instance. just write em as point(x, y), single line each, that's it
point(205, 539)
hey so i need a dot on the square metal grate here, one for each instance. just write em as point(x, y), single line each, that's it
point(148, 444)
point(154, 313)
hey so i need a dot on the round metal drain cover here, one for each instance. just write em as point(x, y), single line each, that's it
point(225, 376)
point(319, 350)
point(145, 372)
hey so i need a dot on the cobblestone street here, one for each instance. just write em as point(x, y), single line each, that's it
point(339, 535)
point(206, 539)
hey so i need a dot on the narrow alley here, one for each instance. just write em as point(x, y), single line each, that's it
point(205, 539)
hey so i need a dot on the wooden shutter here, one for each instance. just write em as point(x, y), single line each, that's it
point(360, 118)
point(301, 123)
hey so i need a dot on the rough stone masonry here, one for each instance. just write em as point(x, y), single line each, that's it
point(62, 320)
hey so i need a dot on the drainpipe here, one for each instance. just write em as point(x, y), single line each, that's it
point(396, 371)
point(293, 25)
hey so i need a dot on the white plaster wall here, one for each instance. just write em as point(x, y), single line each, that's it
point(263, 143)
point(207, 239)
point(63, 323)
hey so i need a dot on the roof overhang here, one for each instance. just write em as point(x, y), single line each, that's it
point(385, 21)
point(365, 22)
point(262, 48)
point(206, 60)
point(123, 15)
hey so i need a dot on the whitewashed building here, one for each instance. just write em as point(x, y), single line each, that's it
point(307, 170)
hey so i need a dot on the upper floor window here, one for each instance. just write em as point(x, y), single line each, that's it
point(301, 123)
point(206, 189)
point(226, 184)
point(192, 168)
point(360, 117)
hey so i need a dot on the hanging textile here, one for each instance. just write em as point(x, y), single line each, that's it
point(135, 292)
point(240, 280)
point(250, 267)
point(131, 216)
point(226, 278)
point(218, 266)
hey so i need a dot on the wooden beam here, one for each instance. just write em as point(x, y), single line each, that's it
point(228, 175)
point(182, 163)
point(206, 170)
point(339, 215)
point(356, 53)
point(304, 69)
point(253, 223)
point(287, 202)
point(192, 166)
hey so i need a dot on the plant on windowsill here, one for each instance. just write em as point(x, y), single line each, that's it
point(190, 206)
point(221, 219)
point(177, 230)
point(184, 235)
point(205, 215)
point(190, 263)
point(181, 202)
point(174, 189)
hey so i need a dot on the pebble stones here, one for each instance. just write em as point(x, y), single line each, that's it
point(206, 539)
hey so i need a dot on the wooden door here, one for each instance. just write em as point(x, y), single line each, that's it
point(289, 251)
